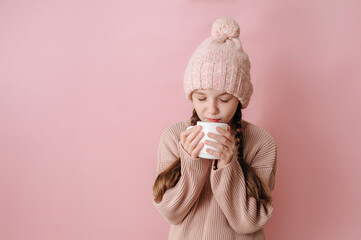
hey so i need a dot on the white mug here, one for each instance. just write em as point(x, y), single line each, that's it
point(206, 128)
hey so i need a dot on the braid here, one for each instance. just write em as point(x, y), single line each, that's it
point(194, 118)
point(254, 185)
point(170, 176)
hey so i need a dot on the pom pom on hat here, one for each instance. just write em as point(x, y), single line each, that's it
point(225, 26)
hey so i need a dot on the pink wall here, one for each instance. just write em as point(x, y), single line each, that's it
point(86, 87)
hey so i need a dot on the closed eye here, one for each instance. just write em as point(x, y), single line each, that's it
point(205, 99)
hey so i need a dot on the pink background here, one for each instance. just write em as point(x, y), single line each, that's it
point(87, 87)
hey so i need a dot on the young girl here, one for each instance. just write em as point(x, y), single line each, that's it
point(230, 197)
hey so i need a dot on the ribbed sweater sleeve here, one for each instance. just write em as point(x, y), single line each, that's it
point(178, 201)
point(229, 189)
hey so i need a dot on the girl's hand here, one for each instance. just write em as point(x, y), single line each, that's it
point(226, 146)
point(190, 139)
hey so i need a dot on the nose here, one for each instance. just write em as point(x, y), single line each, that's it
point(213, 107)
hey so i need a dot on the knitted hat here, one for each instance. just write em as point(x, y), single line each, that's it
point(220, 63)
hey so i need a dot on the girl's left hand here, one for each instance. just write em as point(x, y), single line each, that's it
point(226, 146)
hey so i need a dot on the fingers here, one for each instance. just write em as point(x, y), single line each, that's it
point(217, 154)
point(196, 140)
point(192, 135)
point(190, 140)
point(225, 133)
point(190, 130)
point(219, 138)
point(186, 133)
point(197, 150)
point(217, 145)
point(225, 138)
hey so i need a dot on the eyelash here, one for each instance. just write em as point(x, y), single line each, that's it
point(205, 99)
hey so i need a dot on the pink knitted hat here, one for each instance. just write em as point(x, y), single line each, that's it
point(220, 63)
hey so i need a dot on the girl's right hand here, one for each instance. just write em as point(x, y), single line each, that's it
point(190, 140)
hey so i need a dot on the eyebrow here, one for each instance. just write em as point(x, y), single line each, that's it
point(205, 94)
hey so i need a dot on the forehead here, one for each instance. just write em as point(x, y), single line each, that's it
point(210, 92)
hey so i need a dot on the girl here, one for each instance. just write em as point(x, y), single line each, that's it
point(230, 197)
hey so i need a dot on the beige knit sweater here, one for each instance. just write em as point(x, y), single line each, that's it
point(212, 204)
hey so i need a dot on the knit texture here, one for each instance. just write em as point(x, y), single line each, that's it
point(212, 204)
point(220, 63)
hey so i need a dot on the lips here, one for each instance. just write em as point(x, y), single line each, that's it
point(212, 120)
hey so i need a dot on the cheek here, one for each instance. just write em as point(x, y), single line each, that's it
point(230, 109)
point(198, 107)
